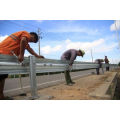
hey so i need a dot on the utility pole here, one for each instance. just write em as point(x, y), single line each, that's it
point(91, 55)
point(39, 40)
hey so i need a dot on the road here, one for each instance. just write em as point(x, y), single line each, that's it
point(13, 86)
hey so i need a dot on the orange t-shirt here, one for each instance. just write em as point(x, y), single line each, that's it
point(12, 43)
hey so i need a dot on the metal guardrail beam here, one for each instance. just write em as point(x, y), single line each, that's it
point(10, 65)
point(32, 65)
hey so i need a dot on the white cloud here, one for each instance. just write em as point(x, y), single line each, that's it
point(67, 41)
point(57, 48)
point(3, 37)
point(115, 25)
point(99, 46)
point(114, 61)
point(83, 45)
point(105, 48)
point(48, 49)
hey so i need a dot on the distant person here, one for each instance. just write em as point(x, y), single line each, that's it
point(107, 63)
point(15, 44)
point(99, 61)
point(71, 55)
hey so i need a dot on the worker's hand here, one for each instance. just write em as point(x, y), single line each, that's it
point(20, 58)
point(40, 56)
point(70, 67)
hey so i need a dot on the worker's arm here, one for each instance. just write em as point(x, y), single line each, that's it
point(73, 57)
point(30, 50)
point(22, 48)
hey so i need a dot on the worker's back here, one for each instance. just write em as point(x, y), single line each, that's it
point(12, 43)
point(67, 54)
point(99, 61)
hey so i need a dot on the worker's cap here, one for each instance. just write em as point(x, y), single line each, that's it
point(82, 51)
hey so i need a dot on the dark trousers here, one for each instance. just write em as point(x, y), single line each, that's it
point(67, 77)
point(2, 84)
point(107, 68)
point(3, 76)
point(97, 70)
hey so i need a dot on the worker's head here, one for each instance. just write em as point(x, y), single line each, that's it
point(81, 52)
point(34, 37)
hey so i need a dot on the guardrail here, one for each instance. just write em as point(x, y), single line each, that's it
point(32, 65)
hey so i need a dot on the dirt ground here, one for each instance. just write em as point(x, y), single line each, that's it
point(79, 91)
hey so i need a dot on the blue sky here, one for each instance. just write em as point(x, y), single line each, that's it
point(59, 35)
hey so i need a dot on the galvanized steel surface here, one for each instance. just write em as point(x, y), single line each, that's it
point(10, 65)
point(32, 65)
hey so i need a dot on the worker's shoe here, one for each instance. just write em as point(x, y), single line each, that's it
point(69, 84)
point(72, 82)
point(98, 73)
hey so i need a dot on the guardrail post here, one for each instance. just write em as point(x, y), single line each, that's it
point(33, 82)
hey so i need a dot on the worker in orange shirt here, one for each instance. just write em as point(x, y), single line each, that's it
point(15, 44)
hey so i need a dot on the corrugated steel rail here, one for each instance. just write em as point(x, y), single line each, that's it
point(32, 65)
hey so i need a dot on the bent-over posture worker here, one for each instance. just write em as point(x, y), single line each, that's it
point(99, 61)
point(15, 44)
point(71, 55)
point(106, 63)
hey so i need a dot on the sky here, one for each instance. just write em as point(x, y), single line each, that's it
point(98, 37)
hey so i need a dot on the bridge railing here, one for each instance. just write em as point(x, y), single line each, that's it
point(32, 65)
